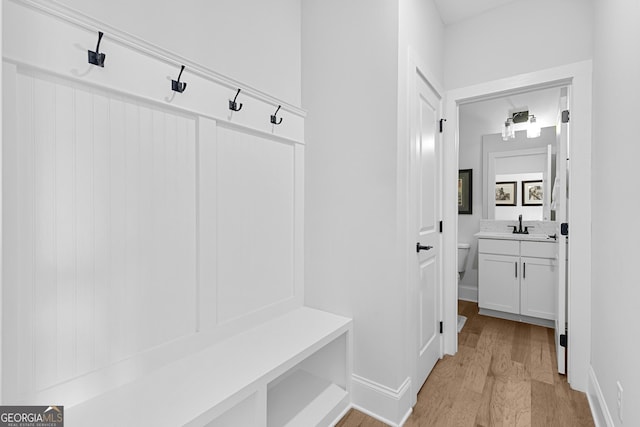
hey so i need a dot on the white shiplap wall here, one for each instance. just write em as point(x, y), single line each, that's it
point(105, 226)
point(257, 184)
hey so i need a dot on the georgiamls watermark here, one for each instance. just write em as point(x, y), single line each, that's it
point(31, 416)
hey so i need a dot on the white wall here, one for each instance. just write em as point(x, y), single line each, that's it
point(422, 32)
point(615, 348)
point(253, 41)
point(354, 77)
point(519, 37)
point(472, 128)
point(349, 91)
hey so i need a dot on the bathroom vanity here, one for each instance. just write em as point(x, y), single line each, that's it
point(517, 276)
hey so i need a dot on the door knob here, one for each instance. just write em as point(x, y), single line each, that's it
point(419, 247)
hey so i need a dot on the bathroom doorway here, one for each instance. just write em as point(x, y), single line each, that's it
point(577, 78)
point(519, 172)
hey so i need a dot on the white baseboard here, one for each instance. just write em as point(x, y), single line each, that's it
point(599, 408)
point(341, 415)
point(385, 404)
point(517, 317)
point(468, 293)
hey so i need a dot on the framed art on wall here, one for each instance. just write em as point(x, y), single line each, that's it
point(465, 191)
point(506, 193)
point(531, 193)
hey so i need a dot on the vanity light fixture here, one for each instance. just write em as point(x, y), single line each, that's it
point(533, 130)
point(508, 130)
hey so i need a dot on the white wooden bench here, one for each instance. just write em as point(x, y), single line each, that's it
point(293, 370)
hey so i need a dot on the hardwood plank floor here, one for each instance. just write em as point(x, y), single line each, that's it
point(504, 374)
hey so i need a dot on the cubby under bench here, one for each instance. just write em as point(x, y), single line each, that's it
point(293, 370)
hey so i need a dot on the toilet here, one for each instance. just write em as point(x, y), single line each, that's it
point(463, 253)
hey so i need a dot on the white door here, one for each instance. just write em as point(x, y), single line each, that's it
point(426, 186)
point(561, 204)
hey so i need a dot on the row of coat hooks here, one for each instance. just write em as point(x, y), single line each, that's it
point(97, 58)
point(235, 106)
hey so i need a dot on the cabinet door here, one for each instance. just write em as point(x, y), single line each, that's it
point(499, 283)
point(538, 287)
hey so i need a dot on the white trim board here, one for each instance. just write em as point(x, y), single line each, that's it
point(2, 373)
point(392, 407)
point(1, 210)
point(578, 77)
point(341, 415)
point(599, 409)
point(468, 293)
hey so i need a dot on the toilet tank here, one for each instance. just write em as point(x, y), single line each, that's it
point(463, 252)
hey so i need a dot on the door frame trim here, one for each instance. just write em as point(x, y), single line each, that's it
point(578, 76)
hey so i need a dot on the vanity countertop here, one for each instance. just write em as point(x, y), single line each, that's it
point(532, 237)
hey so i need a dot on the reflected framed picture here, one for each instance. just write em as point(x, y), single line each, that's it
point(465, 191)
point(531, 193)
point(506, 193)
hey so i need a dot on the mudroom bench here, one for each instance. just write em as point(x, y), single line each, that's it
point(293, 370)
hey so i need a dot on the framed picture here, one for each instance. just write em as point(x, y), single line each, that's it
point(506, 193)
point(531, 193)
point(465, 191)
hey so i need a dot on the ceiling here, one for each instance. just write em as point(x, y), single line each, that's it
point(453, 11)
point(542, 103)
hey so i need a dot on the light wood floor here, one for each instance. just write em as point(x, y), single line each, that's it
point(504, 374)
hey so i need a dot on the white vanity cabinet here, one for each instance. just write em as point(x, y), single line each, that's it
point(517, 279)
point(498, 281)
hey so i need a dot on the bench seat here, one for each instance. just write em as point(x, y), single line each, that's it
point(197, 389)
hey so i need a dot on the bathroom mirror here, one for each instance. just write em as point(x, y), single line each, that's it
point(530, 164)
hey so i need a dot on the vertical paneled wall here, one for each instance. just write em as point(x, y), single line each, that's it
point(104, 196)
point(139, 225)
point(133, 230)
point(249, 225)
point(256, 214)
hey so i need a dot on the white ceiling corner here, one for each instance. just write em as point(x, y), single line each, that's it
point(452, 11)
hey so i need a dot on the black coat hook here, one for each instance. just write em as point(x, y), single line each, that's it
point(233, 106)
point(176, 85)
point(97, 58)
point(274, 118)
point(442, 125)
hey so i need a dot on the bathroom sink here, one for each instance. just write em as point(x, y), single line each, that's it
point(538, 237)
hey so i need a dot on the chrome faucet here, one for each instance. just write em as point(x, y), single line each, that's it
point(517, 229)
